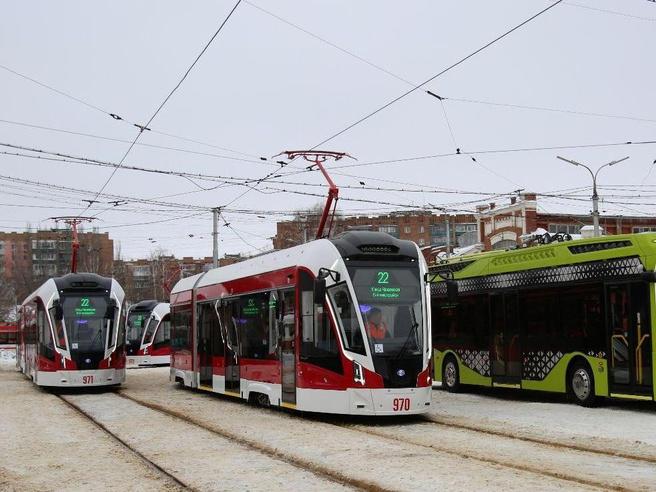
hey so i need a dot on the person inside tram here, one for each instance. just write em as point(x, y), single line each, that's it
point(376, 326)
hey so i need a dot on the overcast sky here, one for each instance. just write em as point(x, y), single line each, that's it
point(264, 86)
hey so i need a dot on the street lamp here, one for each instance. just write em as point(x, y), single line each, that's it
point(595, 196)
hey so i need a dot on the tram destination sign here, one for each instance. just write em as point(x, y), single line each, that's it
point(85, 308)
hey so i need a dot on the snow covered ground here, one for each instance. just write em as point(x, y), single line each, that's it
point(482, 440)
point(619, 425)
point(7, 359)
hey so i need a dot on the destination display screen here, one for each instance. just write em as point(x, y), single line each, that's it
point(386, 284)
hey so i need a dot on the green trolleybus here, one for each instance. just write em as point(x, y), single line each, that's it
point(570, 317)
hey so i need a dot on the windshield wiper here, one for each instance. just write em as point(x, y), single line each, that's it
point(413, 330)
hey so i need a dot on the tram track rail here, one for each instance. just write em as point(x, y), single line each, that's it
point(277, 454)
point(541, 441)
point(437, 447)
point(151, 464)
point(491, 461)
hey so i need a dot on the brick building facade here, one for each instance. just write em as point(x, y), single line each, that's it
point(28, 258)
point(501, 227)
point(424, 228)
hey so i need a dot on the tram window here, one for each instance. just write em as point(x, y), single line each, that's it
point(181, 329)
point(347, 317)
point(287, 314)
point(150, 329)
point(163, 335)
point(253, 325)
point(46, 345)
point(121, 330)
point(60, 337)
point(208, 327)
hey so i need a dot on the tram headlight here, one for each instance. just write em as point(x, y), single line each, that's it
point(358, 373)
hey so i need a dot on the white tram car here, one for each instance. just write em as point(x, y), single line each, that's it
point(336, 325)
point(148, 334)
point(72, 332)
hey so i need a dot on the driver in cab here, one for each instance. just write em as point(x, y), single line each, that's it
point(376, 327)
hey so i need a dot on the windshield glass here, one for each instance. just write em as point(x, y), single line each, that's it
point(86, 324)
point(136, 323)
point(389, 300)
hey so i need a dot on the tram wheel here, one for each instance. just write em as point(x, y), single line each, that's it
point(581, 384)
point(259, 399)
point(450, 375)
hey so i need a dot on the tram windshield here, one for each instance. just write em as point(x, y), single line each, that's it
point(389, 300)
point(88, 322)
point(137, 321)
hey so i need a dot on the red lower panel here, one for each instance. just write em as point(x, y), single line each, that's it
point(181, 360)
point(267, 371)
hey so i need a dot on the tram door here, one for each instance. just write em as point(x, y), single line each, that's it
point(229, 319)
point(286, 342)
point(505, 353)
point(629, 333)
point(206, 333)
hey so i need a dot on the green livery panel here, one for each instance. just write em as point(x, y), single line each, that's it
point(551, 317)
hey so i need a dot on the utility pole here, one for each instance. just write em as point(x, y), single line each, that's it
point(73, 222)
point(595, 196)
point(448, 236)
point(215, 236)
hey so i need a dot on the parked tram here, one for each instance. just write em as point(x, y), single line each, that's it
point(335, 325)
point(8, 336)
point(571, 317)
point(148, 334)
point(72, 332)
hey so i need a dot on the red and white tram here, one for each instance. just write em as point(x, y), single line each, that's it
point(149, 334)
point(72, 332)
point(335, 325)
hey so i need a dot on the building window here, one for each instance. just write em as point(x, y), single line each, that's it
point(421, 242)
point(407, 229)
point(644, 229)
point(565, 228)
point(392, 230)
point(422, 229)
point(505, 244)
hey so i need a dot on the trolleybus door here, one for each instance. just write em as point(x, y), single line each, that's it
point(505, 353)
point(229, 320)
point(629, 333)
point(286, 342)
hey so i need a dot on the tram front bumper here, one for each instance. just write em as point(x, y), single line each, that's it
point(389, 401)
point(71, 379)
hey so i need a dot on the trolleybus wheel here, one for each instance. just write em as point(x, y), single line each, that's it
point(450, 375)
point(581, 384)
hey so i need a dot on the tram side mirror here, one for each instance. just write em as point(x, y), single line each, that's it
point(59, 310)
point(319, 290)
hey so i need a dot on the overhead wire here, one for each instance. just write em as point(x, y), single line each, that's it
point(440, 73)
point(163, 103)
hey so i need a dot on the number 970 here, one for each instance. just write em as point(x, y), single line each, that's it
point(401, 404)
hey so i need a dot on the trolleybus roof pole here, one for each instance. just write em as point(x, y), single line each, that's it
point(73, 222)
point(318, 157)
